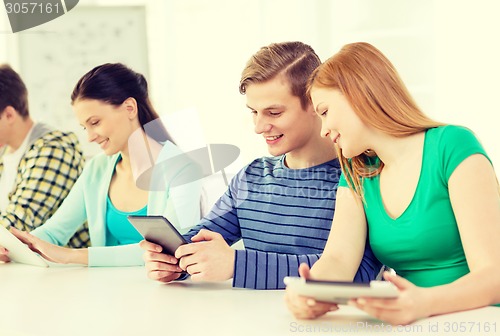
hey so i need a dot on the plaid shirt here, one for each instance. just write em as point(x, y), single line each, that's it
point(45, 175)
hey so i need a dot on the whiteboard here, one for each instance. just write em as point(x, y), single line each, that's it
point(54, 56)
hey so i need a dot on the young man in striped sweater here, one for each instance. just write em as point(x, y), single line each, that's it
point(280, 206)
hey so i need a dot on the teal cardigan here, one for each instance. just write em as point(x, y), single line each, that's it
point(172, 197)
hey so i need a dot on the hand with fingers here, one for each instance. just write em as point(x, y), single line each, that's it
point(51, 252)
point(304, 307)
point(159, 266)
point(207, 258)
point(408, 307)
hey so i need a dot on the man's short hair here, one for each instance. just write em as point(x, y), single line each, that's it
point(13, 92)
point(295, 61)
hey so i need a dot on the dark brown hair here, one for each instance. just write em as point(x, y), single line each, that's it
point(113, 83)
point(13, 92)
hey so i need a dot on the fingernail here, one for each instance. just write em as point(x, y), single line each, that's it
point(310, 302)
point(361, 301)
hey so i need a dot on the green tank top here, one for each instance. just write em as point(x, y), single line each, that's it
point(423, 244)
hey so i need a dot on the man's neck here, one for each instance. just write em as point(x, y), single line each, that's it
point(22, 128)
point(319, 151)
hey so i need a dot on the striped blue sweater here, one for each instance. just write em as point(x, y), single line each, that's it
point(283, 216)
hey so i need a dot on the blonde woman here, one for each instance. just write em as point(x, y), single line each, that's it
point(424, 193)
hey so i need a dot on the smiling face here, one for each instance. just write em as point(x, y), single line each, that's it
point(107, 125)
point(339, 121)
point(280, 117)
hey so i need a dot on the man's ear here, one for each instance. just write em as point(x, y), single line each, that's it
point(10, 114)
point(130, 105)
point(310, 109)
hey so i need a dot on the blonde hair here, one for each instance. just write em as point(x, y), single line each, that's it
point(295, 61)
point(376, 93)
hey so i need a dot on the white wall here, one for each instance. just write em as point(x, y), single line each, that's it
point(445, 51)
point(468, 68)
point(206, 45)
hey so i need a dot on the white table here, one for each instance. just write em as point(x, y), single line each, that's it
point(122, 301)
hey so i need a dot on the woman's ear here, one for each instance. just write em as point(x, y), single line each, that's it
point(130, 105)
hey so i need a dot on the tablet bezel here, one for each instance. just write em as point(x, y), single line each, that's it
point(340, 292)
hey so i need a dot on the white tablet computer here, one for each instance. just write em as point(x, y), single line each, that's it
point(18, 251)
point(340, 292)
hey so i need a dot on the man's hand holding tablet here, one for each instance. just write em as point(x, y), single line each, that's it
point(161, 241)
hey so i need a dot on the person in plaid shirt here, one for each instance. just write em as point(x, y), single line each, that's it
point(38, 164)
